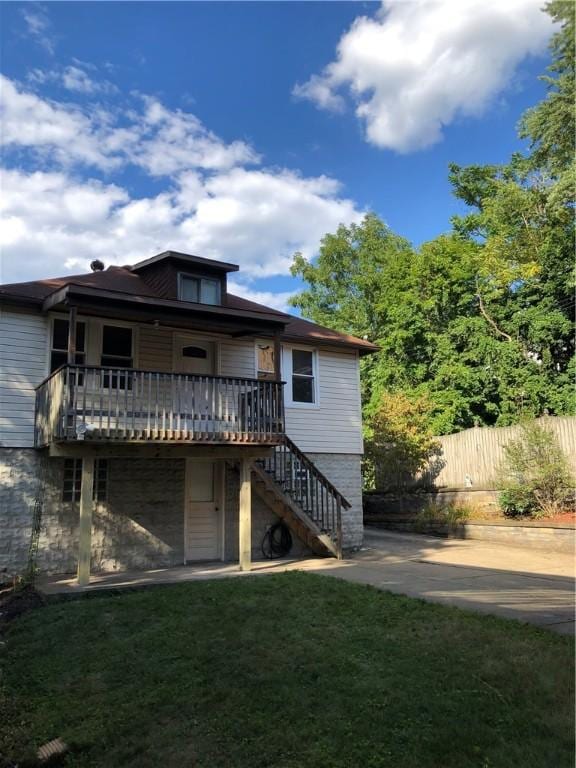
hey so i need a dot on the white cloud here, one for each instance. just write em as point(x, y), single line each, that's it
point(38, 27)
point(173, 140)
point(278, 300)
point(63, 214)
point(161, 141)
point(53, 223)
point(77, 79)
point(419, 65)
point(61, 130)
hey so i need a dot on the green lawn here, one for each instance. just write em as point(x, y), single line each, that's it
point(293, 670)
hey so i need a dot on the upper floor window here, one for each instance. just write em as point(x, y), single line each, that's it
point(201, 290)
point(59, 345)
point(303, 376)
point(116, 346)
point(116, 353)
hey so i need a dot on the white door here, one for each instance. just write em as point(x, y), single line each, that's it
point(202, 522)
point(193, 356)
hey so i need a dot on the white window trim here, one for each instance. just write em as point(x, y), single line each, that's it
point(287, 371)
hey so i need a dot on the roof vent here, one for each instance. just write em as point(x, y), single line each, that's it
point(96, 265)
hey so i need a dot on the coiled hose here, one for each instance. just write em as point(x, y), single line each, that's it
point(277, 541)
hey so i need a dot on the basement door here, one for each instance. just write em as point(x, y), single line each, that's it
point(202, 510)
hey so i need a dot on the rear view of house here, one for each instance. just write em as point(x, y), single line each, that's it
point(156, 420)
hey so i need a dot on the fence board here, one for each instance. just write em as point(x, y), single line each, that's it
point(469, 459)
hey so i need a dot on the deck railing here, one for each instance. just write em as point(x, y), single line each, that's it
point(102, 404)
point(302, 481)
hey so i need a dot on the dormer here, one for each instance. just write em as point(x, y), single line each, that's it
point(185, 277)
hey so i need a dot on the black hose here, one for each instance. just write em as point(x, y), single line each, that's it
point(277, 541)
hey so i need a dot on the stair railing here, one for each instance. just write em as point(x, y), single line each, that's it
point(304, 483)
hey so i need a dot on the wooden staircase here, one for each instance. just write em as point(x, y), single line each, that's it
point(295, 489)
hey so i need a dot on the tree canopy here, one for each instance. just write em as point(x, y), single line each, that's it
point(478, 322)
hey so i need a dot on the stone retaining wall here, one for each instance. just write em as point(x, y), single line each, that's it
point(551, 538)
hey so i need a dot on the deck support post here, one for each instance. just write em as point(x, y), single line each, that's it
point(85, 529)
point(245, 521)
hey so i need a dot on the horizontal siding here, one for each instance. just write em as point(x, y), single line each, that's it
point(23, 365)
point(155, 349)
point(336, 425)
point(237, 359)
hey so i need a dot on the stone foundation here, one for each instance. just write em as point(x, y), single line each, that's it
point(141, 525)
point(344, 472)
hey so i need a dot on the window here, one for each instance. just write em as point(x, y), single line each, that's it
point(100, 480)
point(265, 361)
point(116, 353)
point(303, 379)
point(72, 480)
point(201, 290)
point(59, 348)
point(116, 347)
point(72, 483)
point(198, 352)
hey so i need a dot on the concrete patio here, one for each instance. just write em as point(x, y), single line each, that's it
point(527, 585)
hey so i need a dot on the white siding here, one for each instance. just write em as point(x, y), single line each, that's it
point(23, 365)
point(335, 425)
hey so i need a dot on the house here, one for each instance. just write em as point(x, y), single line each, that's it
point(155, 419)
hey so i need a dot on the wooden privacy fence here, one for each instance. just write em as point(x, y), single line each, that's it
point(469, 459)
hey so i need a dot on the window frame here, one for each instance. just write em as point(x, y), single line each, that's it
point(182, 276)
point(114, 381)
point(71, 495)
point(52, 349)
point(132, 346)
point(288, 368)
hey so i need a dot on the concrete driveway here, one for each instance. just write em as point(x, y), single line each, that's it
point(535, 586)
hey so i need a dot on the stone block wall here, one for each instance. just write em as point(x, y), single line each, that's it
point(344, 472)
point(141, 525)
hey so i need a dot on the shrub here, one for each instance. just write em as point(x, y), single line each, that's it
point(399, 443)
point(450, 515)
point(517, 501)
point(534, 477)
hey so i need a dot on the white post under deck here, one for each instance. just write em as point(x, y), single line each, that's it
point(245, 522)
point(85, 530)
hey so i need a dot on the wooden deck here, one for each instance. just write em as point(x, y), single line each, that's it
point(102, 405)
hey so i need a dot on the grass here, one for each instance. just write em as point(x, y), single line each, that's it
point(450, 515)
point(291, 671)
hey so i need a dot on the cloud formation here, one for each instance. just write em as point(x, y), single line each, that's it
point(38, 27)
point(63, 204)
point(417, 66)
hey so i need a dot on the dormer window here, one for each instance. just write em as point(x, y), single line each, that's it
point(201, 290)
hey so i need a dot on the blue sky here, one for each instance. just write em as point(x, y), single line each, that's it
point(245, 131)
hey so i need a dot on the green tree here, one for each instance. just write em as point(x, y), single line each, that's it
point(478, 322)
